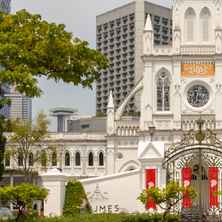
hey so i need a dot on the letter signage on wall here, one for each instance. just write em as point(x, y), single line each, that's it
point(197, 70)
point(150, 182)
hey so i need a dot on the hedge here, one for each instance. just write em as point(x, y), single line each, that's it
point(75, 199)
point(108, 218)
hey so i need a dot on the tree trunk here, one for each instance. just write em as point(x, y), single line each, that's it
point(2, 151)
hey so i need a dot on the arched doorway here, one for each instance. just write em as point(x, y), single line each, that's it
point(200, 153)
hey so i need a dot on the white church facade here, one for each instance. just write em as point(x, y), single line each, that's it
point(177, 135)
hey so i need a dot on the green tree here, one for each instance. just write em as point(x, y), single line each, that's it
point(25, 136)
point(75, 199)
point(168, 197)
point(23, 196)
point(31, 47)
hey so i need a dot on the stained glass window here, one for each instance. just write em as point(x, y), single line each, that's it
point(163, 92)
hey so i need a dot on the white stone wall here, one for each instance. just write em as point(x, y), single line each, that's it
point(115, 193)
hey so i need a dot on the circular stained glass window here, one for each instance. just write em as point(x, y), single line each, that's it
point(198, 96)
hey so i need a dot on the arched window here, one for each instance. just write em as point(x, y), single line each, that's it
point(163, 92)
point(43, 159)
point(205, 17)
point(101, 159)
point(67, 159)
point(78, 159)
point(20, 159)
point(90, 159)
point(54, 159)
point(31, 159)
point(190, 24)
point(7, 160)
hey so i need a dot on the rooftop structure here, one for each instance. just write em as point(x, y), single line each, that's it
point(62, 113)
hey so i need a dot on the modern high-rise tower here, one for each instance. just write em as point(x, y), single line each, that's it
point(119, 37)
point(5, 6)
point(21, 106)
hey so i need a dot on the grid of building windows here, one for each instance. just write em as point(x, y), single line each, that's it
point(116, 39)
point(5, 6)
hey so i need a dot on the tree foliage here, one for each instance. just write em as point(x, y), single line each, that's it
point(30, 47)
point(75, 199)
point(25, 136)
point(23, 196)
point(168, 197)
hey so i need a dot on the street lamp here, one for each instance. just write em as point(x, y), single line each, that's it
point(200, 136)
point(152, 130)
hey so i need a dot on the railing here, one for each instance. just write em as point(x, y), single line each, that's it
point(127, 127)
point(185, 125)
point(198, 50)
point(162, 50)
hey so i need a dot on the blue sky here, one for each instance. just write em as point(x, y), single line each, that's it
point(79, 16)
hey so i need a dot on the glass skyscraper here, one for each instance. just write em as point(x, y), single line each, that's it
point(5, 6)
point(21, 106)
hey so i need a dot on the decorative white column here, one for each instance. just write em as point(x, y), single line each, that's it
point(147, 92)
point(176, 40)
point(110, 160)
point(110, 125)
point(54, 181)
point(148, 41)
point(147, 108)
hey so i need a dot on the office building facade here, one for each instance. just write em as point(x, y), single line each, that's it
point(5, 6)
point(119, 37)
point(21, 106)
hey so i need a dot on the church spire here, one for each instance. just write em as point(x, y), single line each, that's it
point(148, 26)
point(148, 37)
point(110, 103)
point(110, 116)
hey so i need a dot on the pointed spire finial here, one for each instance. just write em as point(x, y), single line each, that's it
point(148, 25)
point(110, 103)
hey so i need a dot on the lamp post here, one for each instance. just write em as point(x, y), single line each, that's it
point(152, 130)
point(200, 136)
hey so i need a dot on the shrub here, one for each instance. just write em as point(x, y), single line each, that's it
point(109, 218)
point(75, 199)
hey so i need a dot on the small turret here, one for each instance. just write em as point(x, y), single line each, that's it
point(148, 37)
point(110, 115)
point(218, 39)
point(176, 40)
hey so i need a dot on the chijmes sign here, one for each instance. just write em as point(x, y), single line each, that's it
point(197, 69)
point(110, 208)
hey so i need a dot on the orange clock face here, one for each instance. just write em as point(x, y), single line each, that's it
point(197, 70)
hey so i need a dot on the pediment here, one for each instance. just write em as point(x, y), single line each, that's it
point(150, 152)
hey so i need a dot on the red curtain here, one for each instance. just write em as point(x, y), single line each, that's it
point(150, 182)
point(186, 179)
point(213, 186)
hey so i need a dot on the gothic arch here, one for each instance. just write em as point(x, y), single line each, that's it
point(130, 165)
point(91, 159)
point(162, 89)
point(67, 159)
point(161, 70)
point(101, 158)
point(205, 24)
point(77, 158)
point(190, 24)
point(54, 160)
